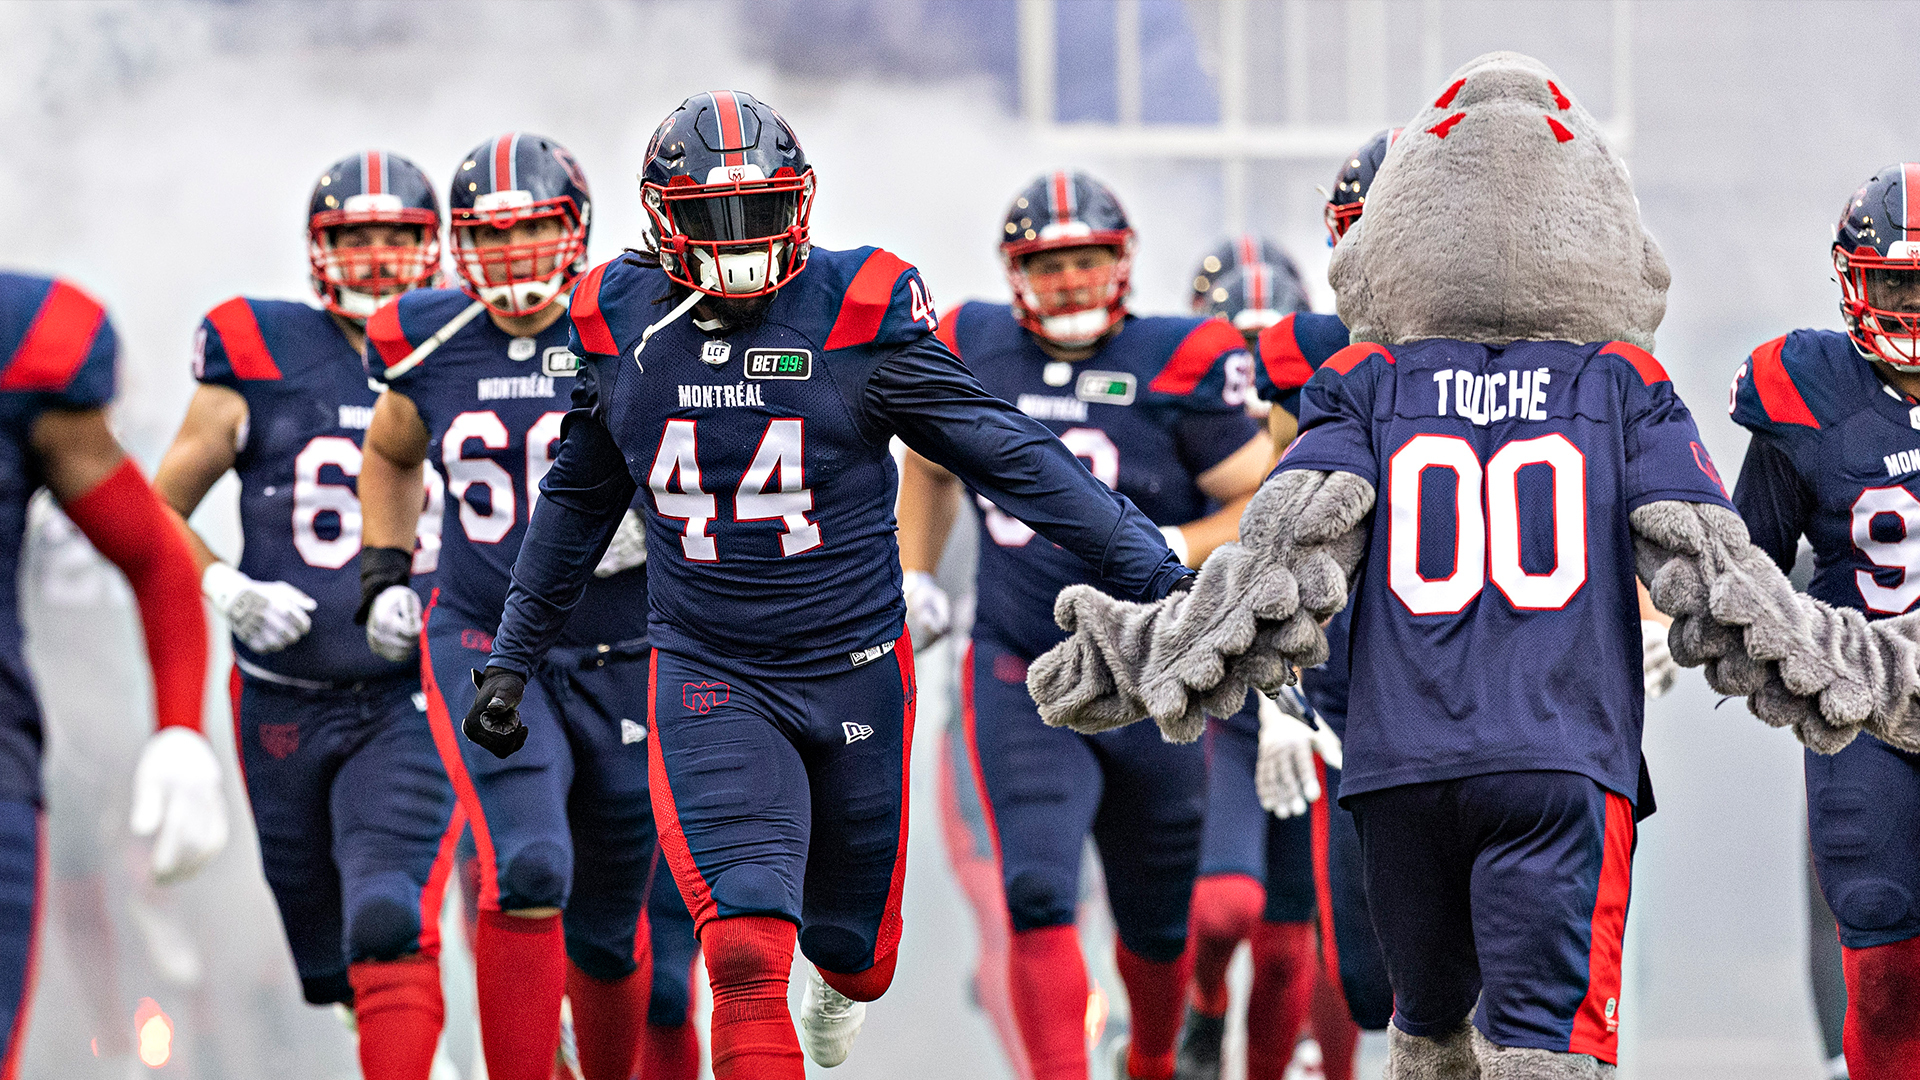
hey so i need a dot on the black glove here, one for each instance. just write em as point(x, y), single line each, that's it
point(380, 569)
point(494, 720)
point(1184, 583)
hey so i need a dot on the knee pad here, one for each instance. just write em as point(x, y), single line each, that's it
point(754, 890)
point(382, 928)
point(1226, 906)
point(1872, 904)
point(836, 948)
point(1035, 901)
point(536, 876)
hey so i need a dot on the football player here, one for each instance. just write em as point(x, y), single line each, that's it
point(55, 382)
point(750, 383)
point(355, 816)
point(1156, 409)
point(1833, 459)
point(477, 381)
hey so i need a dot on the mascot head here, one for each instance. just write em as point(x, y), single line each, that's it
point(1501, 215)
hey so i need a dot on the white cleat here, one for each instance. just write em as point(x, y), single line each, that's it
point(829, 1020)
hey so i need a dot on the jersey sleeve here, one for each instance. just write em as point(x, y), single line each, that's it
point(229, 349)
point(1774, 500)
point(1665, 458)
point(67, 353)
point(588, 332)
point(886, 304)
point(1290, 351)
point(1766, 398)
point(1210, 370)
point(389, 343)
point(1336, 415)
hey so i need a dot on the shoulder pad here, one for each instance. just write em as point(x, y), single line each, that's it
point(949, 332)
point(1198, 353)
point(1766, 394)
point(63, 347)
point(589, 322)
point(230, 347)
point(885, 303)
point(1644, 364)
point(1344, 361)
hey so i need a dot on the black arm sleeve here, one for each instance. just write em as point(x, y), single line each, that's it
point(582, 499)
point(926, 396)
point(1774, 500)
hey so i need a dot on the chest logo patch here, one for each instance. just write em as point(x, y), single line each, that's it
point(558, 362)
point(521, 348)
point(779, 364)
point(712, 353)
point(1106, 387)
point(1057, 373)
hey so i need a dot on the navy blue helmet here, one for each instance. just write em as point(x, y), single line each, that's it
point(371, 188)
point(730, 193)
point(1255, 295)
point(1876, 253)
point(513, 180)
point(1071, 307)
point(1349, 193)
point(1245, 248)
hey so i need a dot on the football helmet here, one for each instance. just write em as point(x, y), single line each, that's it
point(729, 193)
point(368, 188)
point(1876, 254)
point(1244, 248)
point(1255, 295)
point(1350, 186)
point(507, 180)
point(1065, 210)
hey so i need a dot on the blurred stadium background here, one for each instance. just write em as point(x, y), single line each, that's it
point(161, 153)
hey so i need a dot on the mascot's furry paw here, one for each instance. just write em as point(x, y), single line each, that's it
point(1253, 614)
point(1525, 1063)
point(1413, 1057)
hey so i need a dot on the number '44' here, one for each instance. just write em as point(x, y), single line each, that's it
point(922, 304)
point(760, 497)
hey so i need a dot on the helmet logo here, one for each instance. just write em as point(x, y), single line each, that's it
point(734, 174)
point(380, 202)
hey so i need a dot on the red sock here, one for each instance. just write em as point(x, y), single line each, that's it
point(1048, 983)
point(1882, 1036)
point(867, 985)
point(1333, 1028)
point(520, 971)
point(398, 1008)
point(1225, 907)
point(607, 1021)
point(748, 962)
point(1154, 994)
point(670, 1052)
point(1285, 962)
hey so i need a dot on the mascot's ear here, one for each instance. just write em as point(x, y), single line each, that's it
point(1501, 215)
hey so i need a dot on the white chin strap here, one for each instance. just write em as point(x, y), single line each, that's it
point(1076, 329)
point(522, 297)
point(356, 304)
point(741, 272)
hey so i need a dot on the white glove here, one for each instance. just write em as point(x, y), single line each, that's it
point(393, 623)
point(266, 616)
point(1283, 773)
point(628, 549)
point(1177, 541)
point(177, 800)
point(1658, 668)
point(929, 612)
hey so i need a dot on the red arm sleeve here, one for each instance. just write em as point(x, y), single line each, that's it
point(125, 521)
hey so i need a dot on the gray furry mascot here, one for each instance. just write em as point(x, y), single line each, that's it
point(1500, 218)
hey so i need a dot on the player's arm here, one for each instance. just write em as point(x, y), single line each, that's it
point(390, 483)
point(929, 502)
point(1230, 483)
point(1774, 500)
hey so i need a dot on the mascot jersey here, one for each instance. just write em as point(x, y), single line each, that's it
point(308, 406)
point(59, 353)
point(1161, 402)
point(1496, 628)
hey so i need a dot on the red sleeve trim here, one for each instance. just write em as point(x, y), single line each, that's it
point(1643, 362)
point(1779, 398)
point(868, 296)
point(1203, 347)
point(57, 342)
point(385, 333)
point(949, 332)
point(240, 337)
point(1281, 355)
point(595, 336)
point(1353, 355)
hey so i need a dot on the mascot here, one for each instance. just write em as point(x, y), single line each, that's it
point(1486, 468)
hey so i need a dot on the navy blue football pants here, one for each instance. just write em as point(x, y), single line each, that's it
point(1240, 836)
point(786, 796)
point(1509, 888)
point(19, 922)
point(1348, 945)
point(566, 821)
point(356, 821)
point(1861, 803)
point(1143, 800)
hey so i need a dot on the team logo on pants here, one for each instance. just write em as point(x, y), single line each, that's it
point(280, 740)
point(705, 695)
point(855, 732)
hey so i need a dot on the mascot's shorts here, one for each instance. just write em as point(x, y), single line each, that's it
point(1241, 837)
point(1510, 888)
point(1861, 806)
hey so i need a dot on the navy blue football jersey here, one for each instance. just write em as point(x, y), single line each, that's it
point(1161, 402)
point(58, 351)
point(492, 404)
point(1290, 351)
point(761, 456)
point(308, 405)
point(1835, 456)
point(1496, 626)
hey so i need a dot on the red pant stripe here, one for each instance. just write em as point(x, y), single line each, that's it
point(1322, 876)
point(17, 1038)
point(666, 817)
point(1596, 1026)
point(888, 940)
point(447, 741)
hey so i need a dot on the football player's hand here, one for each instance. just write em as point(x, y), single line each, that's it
point(929, 612)
point(393, 623)
point(177, 800)
point(493, 721)
point(1283, 773)
point(266, 616)
point(1657, 664)
point(628, 549)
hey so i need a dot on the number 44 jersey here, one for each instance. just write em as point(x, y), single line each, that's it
point(1496, 626)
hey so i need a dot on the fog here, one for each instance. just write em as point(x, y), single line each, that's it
point(161, 153)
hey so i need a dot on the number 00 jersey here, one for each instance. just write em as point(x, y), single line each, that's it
point(1496, 627)
point(1160, 403)
point(1835, 456)
point(308, 404)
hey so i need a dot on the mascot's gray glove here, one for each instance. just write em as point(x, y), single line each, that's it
point(1254, 613)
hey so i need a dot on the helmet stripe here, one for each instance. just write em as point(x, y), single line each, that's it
point(1910, 220)
point(513, 164)
point(1062, 197)
point(500, 169)
point(1257, 286)
point(1249, 254)
point(726, 110)
point(370, 173)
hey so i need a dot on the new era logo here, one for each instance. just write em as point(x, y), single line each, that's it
point(855, 732)
point(868, 656)
point(631, 732)
point(704, 696)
